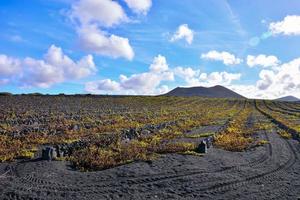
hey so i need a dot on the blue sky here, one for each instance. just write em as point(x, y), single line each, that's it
point(150, 46)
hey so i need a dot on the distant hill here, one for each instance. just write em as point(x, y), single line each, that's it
point(288, 98)
point(213, 92)
point(5, 94)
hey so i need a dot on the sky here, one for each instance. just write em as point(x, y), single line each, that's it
point(148, 47)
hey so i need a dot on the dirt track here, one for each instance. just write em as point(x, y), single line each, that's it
point(266, 172)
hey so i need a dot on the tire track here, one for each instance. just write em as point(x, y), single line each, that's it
point(287, 107)
point(262, 177)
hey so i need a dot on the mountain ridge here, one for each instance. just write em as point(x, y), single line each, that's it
point(217, 91)
point(288, 98)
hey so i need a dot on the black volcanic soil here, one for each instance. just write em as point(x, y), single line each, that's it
point(271, 171)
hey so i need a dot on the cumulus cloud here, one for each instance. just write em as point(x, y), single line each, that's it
point(71, 69)
point(276, 82)
point(56, 67)
point(102, 86)
point(142, 83)
point(283, 80)
point(163, 89)
point(188, 74)
point(290, 25)
point(249, 91)
point(183, 32)
point(9, 66)
point(145, 83)
point(94, 15)
point(159, 64)
point(194, 77)
point(262, 60)
point(148, 82)
point(105, 13)
point(93, 39)
point(41, 74)
point(225, 57)
point(139, 6)
point(266, 79)
point(218, 78)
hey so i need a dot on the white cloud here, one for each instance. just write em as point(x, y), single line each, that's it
point(56, 67)
point(262, 60)
point(41, 74)
point(105, 13)
point(77, 70)
point(266, 79)
point(249, 91)
point(139, 6)
point(186, 72)
point(159, 64)
point(102, 86)
point(218, 78)
point(290, 25)
point(9, 66)
point(163, 89)
point(195, 78)
point(277, 82)
point(145, 83)
point(94, 40)
point(94, 15)
point(142, 83)
point(284, 80)
point(225, 57)
point(183, 32)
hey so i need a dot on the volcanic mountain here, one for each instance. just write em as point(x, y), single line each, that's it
point(288, 98)
point(213, 92)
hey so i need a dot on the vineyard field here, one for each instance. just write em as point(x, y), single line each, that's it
point(147, 147)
